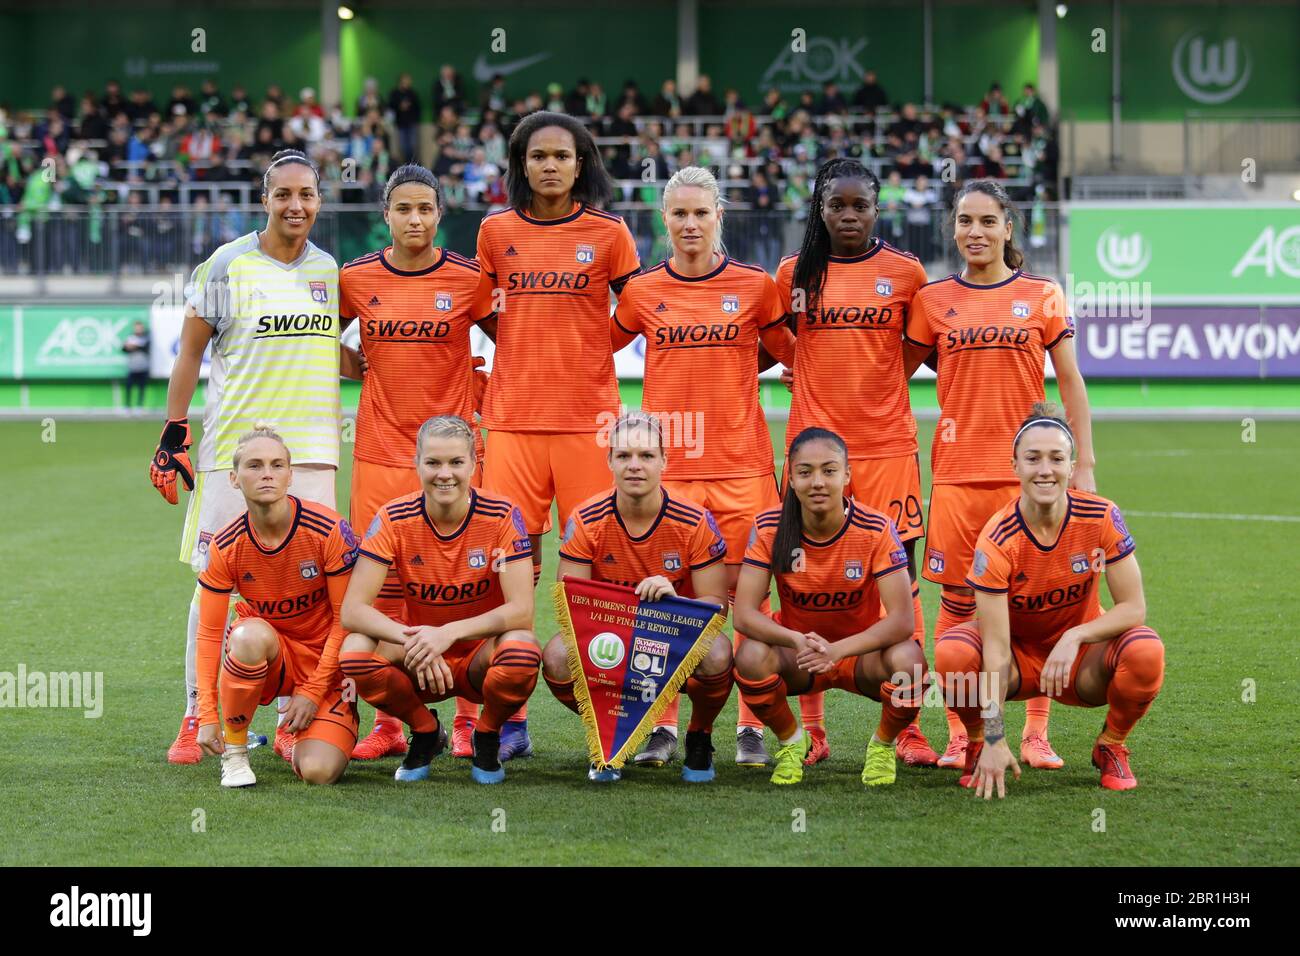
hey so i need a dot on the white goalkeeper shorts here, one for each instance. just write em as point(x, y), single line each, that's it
point(214, 503)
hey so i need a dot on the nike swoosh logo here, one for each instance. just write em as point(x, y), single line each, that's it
point(484, 71)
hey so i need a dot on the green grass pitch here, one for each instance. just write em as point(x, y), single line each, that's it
point(91, 583)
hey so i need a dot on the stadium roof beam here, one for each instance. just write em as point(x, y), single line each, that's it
point(331, 85)
point(688, 46)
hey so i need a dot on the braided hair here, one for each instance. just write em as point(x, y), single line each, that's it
point(814, 253)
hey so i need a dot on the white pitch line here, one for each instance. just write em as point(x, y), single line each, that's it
point(1208, 516)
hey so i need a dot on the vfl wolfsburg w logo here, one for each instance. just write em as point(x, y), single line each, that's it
point(1123, 256)
point(606, 650)
point(1210, 73)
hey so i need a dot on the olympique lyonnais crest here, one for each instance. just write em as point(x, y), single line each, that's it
point(629, 658)
point(884, 287)
point(308, 569)
point(731, 303)
point(853, 570)
point(672, 561)
point(586, 254)
point(1079, 563)
point(477, 558)
point(934, 561)
point(442, 301)
point(318, 292)
point(1020, 309)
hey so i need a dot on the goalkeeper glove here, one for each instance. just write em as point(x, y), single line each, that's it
point(172, 459)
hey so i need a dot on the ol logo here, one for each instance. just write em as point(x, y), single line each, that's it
point(586, 254)
point(1208, 72)
point(308, 569)
point(1079, 563)
point(731, 303)
point(1123, 256)
point(606, 650)
point(934, 561)
point(672, 561)
point(318, 292)
point(853, 570)
point(884, 287)
point(1020, 309)
point(477, 558)
point(442, 301)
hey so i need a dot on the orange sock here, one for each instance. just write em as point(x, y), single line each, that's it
point(466, 708)
point(918, 635)
point(511, 677)
point(769, 702)
point(957, 656)
point(745, 716)
point(387, 687)
point(1036, 712)
point(668, 719)
point(563, 691)
point(239, 691)
point(708, 694)
point(1137, 664)
point(522, 713)
point(898, 708)
point(954, 609)
point(812, 709)
point(387, 723)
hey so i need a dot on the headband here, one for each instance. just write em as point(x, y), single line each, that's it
point(1035, 422)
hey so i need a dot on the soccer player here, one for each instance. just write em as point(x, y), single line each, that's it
point(290, 561)
point(555, 258)
point(416, 303)
point(703, 315)
point(638, 535)
point(848, 294)
point(836, 564)
point(1039, 627)
point(268, 304)
point(462, 561)
point(991, 328)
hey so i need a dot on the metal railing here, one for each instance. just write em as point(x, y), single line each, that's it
point(127, 241)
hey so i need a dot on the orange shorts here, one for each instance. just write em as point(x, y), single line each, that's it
point(733, 502)
point(336, 720)
point(890, 485)
point(533, 468)
point(957, 515)
point(373, 486)
point(1030, 659)
point(460, 683)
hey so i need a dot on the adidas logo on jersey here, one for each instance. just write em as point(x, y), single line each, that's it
point(609, 559)
point(950, 313)
point(661, 307)
point(1021, 577)
point(510, 251)
point(417, 560)
point(374, 300)
point(248, 575)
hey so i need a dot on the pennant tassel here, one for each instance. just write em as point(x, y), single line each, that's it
point(580, 692)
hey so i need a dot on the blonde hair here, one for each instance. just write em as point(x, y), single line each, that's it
point(699, 177)
point(445, 426)
point(259, 430)
point(636, 419)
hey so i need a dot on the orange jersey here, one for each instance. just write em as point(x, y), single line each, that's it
point(848, 369)
point(1050, 589)
point(415, 336)
point(992, 341)
point(701, 364)
point(683, 538)
point(296, 587)
point(554, 370)
point(448, 577)
point(835, 592)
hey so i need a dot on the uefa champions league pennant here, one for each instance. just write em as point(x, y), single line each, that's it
point(629, 658)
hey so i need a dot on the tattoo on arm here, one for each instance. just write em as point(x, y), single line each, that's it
point(993, 729)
